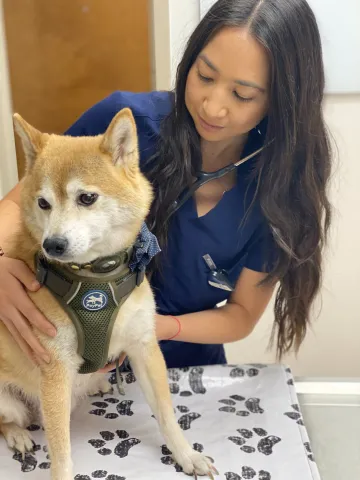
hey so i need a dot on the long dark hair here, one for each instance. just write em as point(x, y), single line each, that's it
point(296, 165)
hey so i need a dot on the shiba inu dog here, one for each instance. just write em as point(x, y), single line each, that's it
point(84, 201)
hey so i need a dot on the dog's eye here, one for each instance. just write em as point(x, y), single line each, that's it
point(43, 204)
point(87, 199)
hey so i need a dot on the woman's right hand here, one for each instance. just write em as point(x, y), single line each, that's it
point(18, 312)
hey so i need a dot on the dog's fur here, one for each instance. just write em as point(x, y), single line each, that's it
point(59, 168)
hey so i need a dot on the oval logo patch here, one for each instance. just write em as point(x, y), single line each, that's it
point(94, 300)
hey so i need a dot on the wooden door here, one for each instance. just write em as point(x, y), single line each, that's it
point(66, 55)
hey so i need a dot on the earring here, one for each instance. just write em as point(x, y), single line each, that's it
point(258, 129)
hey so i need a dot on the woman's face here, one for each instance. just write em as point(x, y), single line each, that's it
point(228, 86)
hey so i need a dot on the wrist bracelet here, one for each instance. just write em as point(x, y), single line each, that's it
point(179, 327)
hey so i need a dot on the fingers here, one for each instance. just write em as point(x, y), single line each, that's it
point(20, 341)
point(34, 316)
point(23, 328)
point(23, 273)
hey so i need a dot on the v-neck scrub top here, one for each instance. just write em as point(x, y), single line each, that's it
point(232, 233)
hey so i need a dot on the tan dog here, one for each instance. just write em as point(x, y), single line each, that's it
point(90, 193)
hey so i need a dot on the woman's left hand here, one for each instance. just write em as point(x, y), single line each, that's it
point(162, 333)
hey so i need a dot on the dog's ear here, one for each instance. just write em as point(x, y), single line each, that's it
point(120, 139)
point(32, 140)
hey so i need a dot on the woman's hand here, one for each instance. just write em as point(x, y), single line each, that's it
point(18, 312)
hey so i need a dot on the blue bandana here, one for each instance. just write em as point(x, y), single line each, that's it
point(146, 247)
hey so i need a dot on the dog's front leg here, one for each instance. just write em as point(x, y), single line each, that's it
point(56, 385)
point(149, 367)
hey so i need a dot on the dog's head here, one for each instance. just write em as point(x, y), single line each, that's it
point(83, 197)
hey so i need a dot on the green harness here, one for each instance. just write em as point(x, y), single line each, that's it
point(92, 302)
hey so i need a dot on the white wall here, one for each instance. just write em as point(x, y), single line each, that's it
point(332, 347)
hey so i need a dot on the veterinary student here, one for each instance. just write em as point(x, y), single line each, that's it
point(251, 77)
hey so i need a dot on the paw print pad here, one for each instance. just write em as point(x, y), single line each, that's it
point(121, 449)
point(238, 372)
point(295, 415)
point(123, 408)
point(195, 378)
point(252, 405)
point(259, 439)
point(248, 473)
point(99, 474)
point(167, 459)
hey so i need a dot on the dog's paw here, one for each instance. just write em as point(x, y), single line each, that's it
point(196, 463)
point(18, 438)
point(100, 388)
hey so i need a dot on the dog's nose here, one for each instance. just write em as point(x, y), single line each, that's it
point(55, 246)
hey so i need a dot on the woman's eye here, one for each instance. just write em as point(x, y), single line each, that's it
point(204, 79)
point(87, 199)
point(43, 204)
point(242, 99)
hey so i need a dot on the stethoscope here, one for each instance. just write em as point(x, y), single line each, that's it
point(217, 278)
point(204, 177)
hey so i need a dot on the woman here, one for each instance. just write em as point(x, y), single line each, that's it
point(251, 77)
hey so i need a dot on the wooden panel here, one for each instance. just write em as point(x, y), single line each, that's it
point(65, 55)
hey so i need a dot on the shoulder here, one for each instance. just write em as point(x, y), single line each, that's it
point(148, 108)
point(153, 106)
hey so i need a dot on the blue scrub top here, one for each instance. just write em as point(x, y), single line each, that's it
point(233, 240)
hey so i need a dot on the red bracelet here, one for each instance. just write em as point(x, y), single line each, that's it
point(179, 329)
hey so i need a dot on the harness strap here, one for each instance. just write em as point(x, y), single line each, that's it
point(94, 328)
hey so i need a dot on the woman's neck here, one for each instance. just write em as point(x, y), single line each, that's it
point(216, 155)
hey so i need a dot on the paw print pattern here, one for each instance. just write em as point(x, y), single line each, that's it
point(195, 376)
point(127, 377)
point(167, 459)
point(186, 420)
point(265, 445)
point(252, 405)
point(99, 474)
point(123, 408)
point(290, 380)
point(29, 462)
point(295, 415)
point(238, 372)
point(121, 449)
point(248, 473)
point(309, 451)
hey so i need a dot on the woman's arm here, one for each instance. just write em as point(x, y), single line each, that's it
point(225, 324)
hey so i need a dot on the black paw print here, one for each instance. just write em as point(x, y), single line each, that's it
point(186, 420)
point(121, 449)
point(29, 462)
point(265, 445)
point(309, 451)
point(252, 371)
point(167, 459)
point(290, 380)
point(128, 377)
point(99, 474)
point(123, 408)
point(195, 376)
point(248, 473)
point(252, 405)
point(295, 415)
